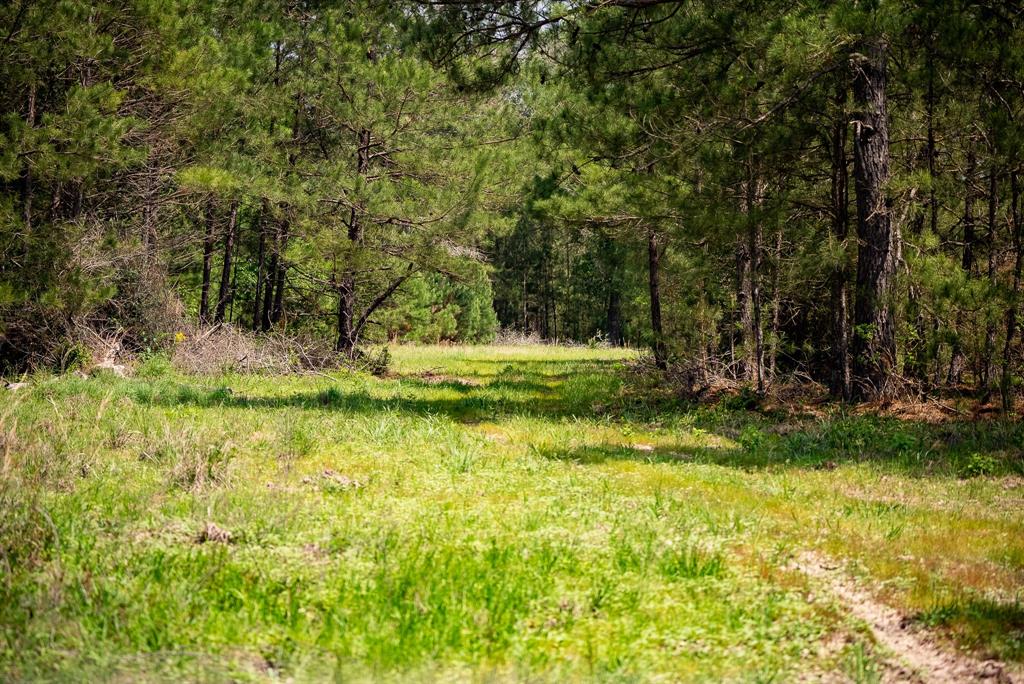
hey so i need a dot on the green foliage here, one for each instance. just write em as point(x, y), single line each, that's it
point(72, 356)
point(154, 365)
point(976, 465)
point(432, 309)
point(378, 363)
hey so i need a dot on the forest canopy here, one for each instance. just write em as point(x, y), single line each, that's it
point(822, 190)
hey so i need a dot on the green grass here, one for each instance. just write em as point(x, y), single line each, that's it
point(485, 513)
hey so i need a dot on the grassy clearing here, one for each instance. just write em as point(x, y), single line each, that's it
point(485, 513)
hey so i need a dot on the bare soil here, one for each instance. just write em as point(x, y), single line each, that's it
point(914, 654)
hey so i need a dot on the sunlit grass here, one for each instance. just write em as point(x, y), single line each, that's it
point(507, 513)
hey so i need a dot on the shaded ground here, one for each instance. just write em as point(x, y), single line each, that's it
point(489, 513)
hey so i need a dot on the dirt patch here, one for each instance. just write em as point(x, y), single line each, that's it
point(916, 655)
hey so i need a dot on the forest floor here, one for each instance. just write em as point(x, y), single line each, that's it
point(496, 514)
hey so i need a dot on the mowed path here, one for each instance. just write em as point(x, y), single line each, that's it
point(483, 513)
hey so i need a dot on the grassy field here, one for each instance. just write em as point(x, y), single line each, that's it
point(483, 514)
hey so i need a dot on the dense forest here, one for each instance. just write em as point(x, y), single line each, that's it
point(755, 190)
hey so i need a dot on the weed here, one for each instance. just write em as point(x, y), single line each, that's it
point(153, 366)
point(196, 467)
point(752, 439)
point(332, 396)
point(976, 465)
point(690, 563)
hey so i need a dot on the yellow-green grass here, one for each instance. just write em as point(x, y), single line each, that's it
point(481, 513)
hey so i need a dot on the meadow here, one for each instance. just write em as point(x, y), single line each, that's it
point(522, 513)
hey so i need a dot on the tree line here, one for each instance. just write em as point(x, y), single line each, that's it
point(826, 189)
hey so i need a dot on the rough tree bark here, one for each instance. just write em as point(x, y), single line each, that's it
point(282, 267)
point(654, 286)
point(755, 333)
point(956, 359)
point(985, 373)
point(347, 333)
point(874, 340)
point(842, 379)
point(226, 293)
point(260, 256)
point(268, 285)
point(208, 242)
point(775, 333)
point(744, 311)
point(1005, 381)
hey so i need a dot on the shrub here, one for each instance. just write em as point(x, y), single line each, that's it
point(977, 465)
point(745, 400)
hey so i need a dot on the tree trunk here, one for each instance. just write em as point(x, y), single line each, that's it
point(347, 332)
point(774, 338)
point(842, 381)
point(1005, 381)
point(654, 284)
point(922, 354)
point(234, 288)
point(933, 203)
point(226, 292)
point(741, 356)
point(545, 274)
point(879, 243)
point(27, 189)
point(990, 327)
point(613, 278)
point(260, 253)
point(282, 267)
point(614, 317)
point(271, 277)
point(956, 359)
point(346, 326)
point(967, 260)
point(208, 241)
point(755, 334)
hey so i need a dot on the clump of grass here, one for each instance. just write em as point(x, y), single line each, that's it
point(980, 621)
point(27, 533)
point(859, 665)
point(195, 467)
point(301, 442)
point(690, 563)
point(332, 396)
point(460, 457)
